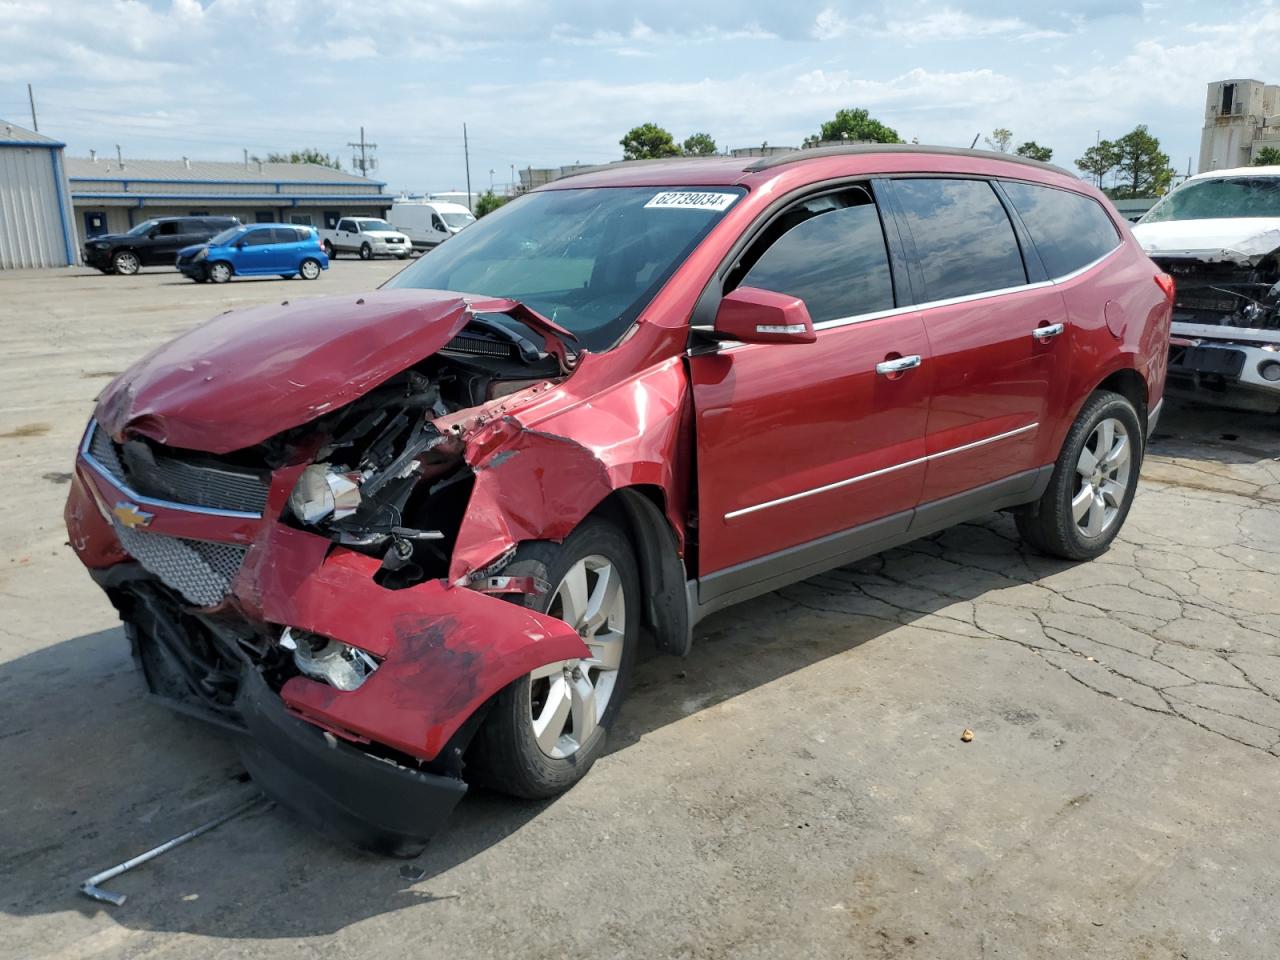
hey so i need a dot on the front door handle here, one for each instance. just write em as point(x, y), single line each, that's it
point(1048, 332)
point(889, 367)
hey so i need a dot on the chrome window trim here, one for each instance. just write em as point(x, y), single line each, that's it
point(144, 500)
point(825, 488)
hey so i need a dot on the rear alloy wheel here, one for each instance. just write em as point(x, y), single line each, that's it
point(366, 252)
point(309, 269)
point(1093, 482)
point(545, 730)
point(219, 272)
point(126, 263)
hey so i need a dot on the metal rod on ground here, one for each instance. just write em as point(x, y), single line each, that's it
point(90, 888)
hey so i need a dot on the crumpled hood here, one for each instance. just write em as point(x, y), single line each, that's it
point(194, 248)
point(1235, 239)
point(246, 375)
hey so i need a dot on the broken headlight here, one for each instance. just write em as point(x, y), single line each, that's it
point(322, 492)
point(338, 664)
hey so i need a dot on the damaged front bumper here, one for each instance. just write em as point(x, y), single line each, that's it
point(380, 765)
point(373, 802)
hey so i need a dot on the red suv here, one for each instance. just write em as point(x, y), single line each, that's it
point(409, 540)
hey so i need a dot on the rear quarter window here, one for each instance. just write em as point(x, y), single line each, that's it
point(1069, 230)
point(964, 241)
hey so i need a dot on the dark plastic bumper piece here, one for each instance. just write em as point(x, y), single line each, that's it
point(376, 804)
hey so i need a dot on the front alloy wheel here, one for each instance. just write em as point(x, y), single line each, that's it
point(545, 730)
point(126, 263)
point(567, 699)
point(219, 272)
point(366, 252)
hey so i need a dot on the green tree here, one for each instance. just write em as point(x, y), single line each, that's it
point(306, 155)
point(1033, 151)
point(1098, 161)
point(1142, 170)
point(1000, 139)
point(648, 142)
point(857, 125)
point(1267, 157)
point(699, 145)
point(488, 202)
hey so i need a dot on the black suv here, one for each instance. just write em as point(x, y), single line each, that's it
point(151, 243)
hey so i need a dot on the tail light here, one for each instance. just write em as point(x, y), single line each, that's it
point(1166, 283)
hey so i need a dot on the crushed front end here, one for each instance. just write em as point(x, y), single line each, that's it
point(1225, 344)
point(295, 591)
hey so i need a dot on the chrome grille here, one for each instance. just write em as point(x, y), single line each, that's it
point(181, 481)
point(199, 570)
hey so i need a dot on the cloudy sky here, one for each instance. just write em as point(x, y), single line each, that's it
point(548, 82)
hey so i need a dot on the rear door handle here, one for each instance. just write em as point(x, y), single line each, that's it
point(1048, 332)
point(887, 367)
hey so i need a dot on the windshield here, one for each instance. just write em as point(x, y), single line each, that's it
point(375, 225)
point(457, 220)
point(1215, 199)
point(142, 229)
point(589, 259)
point(225, 237)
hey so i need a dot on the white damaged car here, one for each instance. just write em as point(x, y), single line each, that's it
point(1218, 235)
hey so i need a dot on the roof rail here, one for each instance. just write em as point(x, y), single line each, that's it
point(813, 153)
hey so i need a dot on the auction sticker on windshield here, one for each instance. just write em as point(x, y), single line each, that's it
point(689, 200)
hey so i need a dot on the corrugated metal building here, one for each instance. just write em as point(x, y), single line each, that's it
point(111, 197)
point(35, 214)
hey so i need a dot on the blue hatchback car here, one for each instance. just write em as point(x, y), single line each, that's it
point(255, 250)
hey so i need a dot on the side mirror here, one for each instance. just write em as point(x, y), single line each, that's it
point(239, 244)
point(752, 315)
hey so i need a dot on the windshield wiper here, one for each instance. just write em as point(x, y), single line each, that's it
point(529, 352)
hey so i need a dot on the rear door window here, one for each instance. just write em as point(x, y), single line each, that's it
point(284, 235)
point(1069, 230)
point(964, 241)
point(830, 252)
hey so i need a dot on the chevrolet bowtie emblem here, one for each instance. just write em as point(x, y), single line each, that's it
point(130, 516)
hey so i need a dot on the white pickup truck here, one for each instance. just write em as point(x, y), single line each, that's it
point(366, 236)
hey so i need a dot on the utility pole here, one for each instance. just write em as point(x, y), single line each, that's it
point(35, 124)
point(491, 173)
point(466, 153)
point(513, 179)
point(366, 162)
point(119, 157)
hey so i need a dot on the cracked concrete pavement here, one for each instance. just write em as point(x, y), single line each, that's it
point(796, 787)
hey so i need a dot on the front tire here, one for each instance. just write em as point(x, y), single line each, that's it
point(1093, 482)
point(309, 269)
point(327, 247)
point(125, 263)
point(366, 252)
point(545, 730)
point(219, 272)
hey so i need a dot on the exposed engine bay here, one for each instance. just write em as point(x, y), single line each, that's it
point(385, 480)
point(1225, 344)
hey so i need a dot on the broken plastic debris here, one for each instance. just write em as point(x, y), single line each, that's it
point(967, 735)
point(411, 871)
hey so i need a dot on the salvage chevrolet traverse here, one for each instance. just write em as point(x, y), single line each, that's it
point(411, 540)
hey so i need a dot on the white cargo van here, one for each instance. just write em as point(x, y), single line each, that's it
point(428, 222)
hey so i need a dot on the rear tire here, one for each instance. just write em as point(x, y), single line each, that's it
point(530, 744)
point(1093, 482)
point(309, 269)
